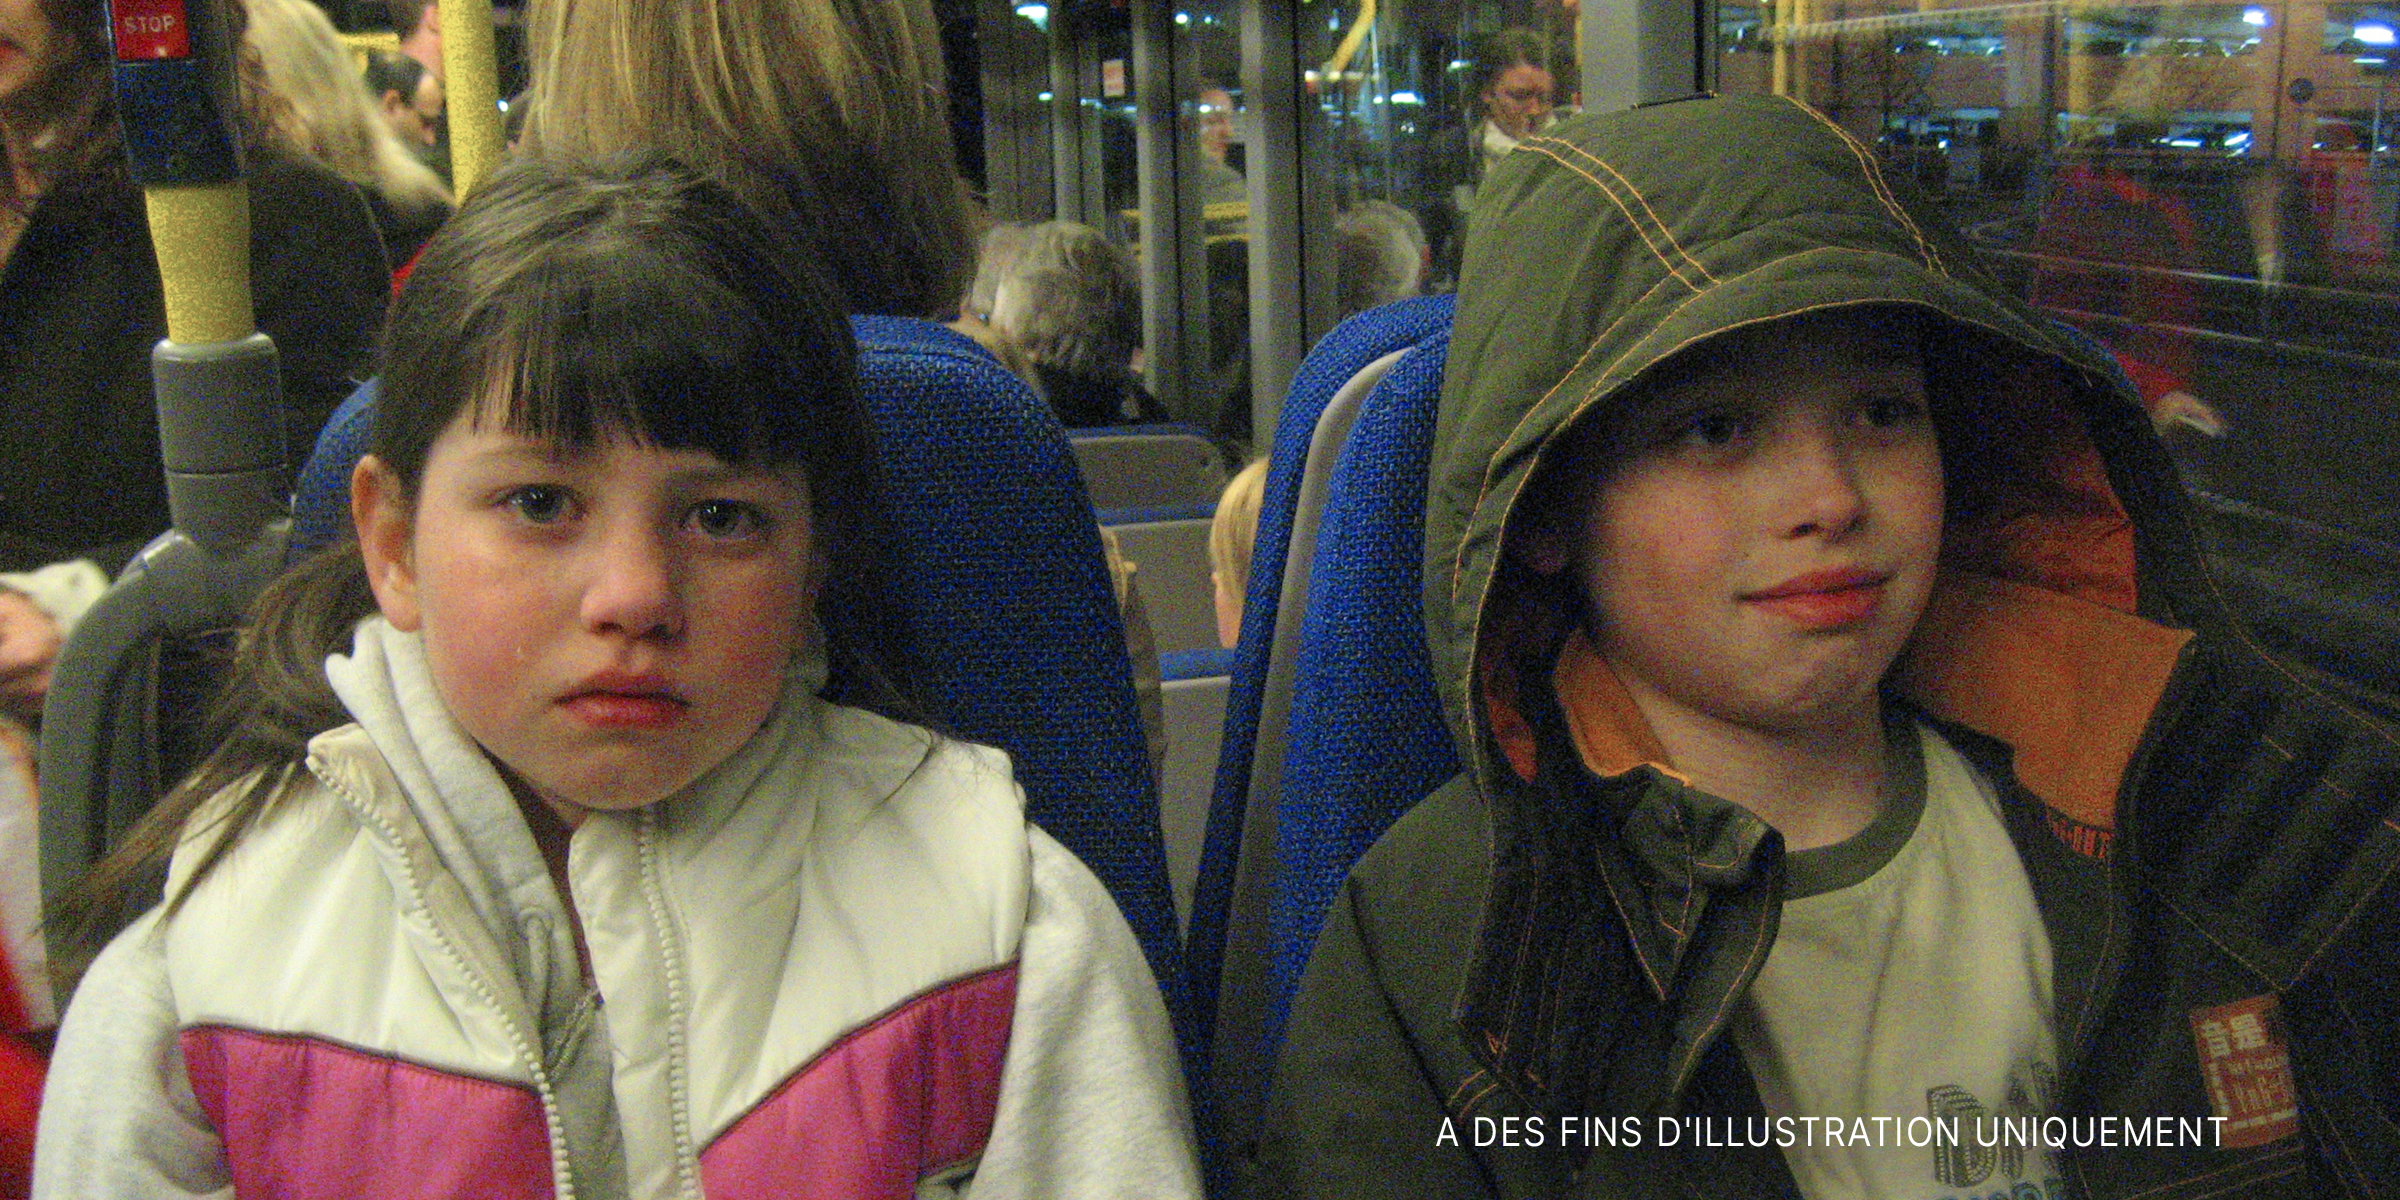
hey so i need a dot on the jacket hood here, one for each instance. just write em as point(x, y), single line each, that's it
point(1609, 243)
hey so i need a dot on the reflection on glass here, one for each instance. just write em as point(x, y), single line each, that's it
point(2208, 189)
point(1418, 102)
point(1211, 50)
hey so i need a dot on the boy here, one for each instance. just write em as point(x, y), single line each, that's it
point(1868, 795)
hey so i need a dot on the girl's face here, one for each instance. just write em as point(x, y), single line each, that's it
point(608, 625)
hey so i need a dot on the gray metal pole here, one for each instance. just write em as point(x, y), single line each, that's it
point(1067, 166)
point(1291, 248)
point(1173, 235)
point(220, 416)
point(1637, 51)
point(1016, 125)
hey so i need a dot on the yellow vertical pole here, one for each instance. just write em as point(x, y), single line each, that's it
point(471, 79)
point(201, 234)
point(2079, 65)
point(1779, 25)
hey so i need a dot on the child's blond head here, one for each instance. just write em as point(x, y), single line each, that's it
point(1230, 537)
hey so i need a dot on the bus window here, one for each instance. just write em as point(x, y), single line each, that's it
point(2210, 190)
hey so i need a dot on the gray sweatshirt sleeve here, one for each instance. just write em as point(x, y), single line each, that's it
point(118, 1114)
point(1091, 1091)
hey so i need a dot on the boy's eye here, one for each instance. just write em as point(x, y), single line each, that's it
point(1886, 412)
point(729, 519)
point(539, 504)
point(1711, 429)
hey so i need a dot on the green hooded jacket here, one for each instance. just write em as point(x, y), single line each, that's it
point(1550, 947)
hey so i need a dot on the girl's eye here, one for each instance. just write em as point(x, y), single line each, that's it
point(1887, 412)
point(539, 504)
point(729, 519)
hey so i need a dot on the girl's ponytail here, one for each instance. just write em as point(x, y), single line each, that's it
point(273, 700)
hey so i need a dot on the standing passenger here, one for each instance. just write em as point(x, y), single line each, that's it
point(419, 25)
point(315, 105)
point(1220, 181)
point(1512, 88)
point(81, 307)
point(535, 865)
point(408, 96)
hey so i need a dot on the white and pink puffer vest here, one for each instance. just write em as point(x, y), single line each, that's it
point(804, 968)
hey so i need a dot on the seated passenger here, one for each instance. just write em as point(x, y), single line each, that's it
point(1231, 533)
point(534, 860)
point(996, 253)
point(1381, 252)
point(829, 115)
point(1858, 758)
point(1068, 301)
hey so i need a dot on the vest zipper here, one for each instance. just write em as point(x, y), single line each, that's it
point(670, 958)
point(562, 1179)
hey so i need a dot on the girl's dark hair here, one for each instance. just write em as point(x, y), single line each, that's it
point(571, 302)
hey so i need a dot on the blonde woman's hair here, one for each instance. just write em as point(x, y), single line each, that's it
point(315, 104)
point(1234, 530)
point(827, 115)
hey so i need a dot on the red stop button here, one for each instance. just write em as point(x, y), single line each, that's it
point(150, 29)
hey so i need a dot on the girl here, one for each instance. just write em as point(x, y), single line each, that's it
point(553, 872)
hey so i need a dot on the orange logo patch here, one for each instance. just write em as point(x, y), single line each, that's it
point(2090, 841)
point(2248, 1069)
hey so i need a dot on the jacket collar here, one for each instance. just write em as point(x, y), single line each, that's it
point(427, 792)
point(423, 789)
point(1626, 919)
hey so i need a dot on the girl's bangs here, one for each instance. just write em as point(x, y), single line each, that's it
point(642, 346)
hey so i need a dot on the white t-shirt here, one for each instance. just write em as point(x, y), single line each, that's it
point(1908, 995)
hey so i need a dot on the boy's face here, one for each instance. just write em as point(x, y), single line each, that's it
point(1761, 533)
